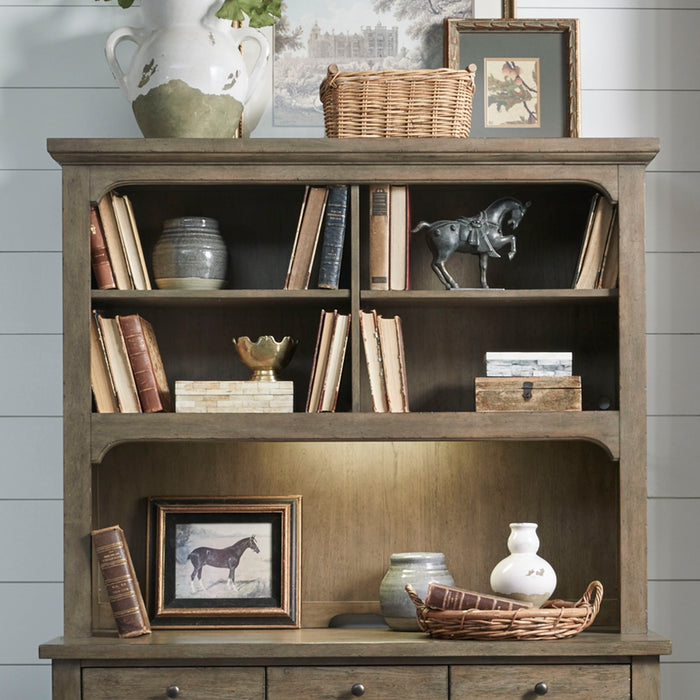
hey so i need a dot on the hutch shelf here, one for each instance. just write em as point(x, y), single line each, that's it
point(440, 478)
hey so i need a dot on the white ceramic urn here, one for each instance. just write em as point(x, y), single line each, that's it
point(524, 575)
point(187, 77)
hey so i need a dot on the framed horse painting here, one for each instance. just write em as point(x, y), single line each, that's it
point(224, 562)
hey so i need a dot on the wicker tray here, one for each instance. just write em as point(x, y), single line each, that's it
point(556, 619)
point(398, 103)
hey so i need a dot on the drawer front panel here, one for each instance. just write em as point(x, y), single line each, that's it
point(563, 682)
point(347, 683)
point(213, 683)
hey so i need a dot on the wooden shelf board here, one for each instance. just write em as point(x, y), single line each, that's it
point(601, 427)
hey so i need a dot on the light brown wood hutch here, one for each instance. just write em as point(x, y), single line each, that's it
point(441, 478)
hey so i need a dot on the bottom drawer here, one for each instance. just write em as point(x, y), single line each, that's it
point(213, 683)
point(348, 682)
point(564, 682)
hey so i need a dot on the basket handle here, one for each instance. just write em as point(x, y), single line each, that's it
point(594, 592)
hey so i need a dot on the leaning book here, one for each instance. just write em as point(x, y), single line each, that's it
point(120, 580)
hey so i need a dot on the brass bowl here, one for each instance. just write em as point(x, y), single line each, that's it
point(266, 356)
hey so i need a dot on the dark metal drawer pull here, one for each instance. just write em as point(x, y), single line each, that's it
point(358, 690)
point(541, 689)
point(173, 691)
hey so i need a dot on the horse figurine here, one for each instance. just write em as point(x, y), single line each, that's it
point(227, 558)
point(481, 235)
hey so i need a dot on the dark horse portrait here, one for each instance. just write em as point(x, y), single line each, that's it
point(480, 235)
point(227, 558)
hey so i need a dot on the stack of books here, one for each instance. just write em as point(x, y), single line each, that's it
point(126, 369)
point(115, 245)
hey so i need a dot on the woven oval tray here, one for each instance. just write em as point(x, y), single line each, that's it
point(556, 619)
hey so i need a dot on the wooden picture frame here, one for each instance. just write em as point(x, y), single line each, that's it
point(527, 79)
point(196, 579)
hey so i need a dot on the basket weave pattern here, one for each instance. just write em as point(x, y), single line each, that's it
point(556, 619)
point(398, 103)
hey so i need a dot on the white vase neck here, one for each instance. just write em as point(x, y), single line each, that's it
point(523, 538)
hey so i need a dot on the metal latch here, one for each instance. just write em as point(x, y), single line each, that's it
point(527, 390)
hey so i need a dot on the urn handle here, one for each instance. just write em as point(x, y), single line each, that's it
point(113, 40)
point(243, 34)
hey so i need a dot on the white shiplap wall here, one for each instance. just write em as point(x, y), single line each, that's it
point(639, 77)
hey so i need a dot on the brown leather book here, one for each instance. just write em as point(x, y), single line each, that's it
point(120, 580)
point(452, 598)
point(146, 363)
point(379, 237)
point(101, 265)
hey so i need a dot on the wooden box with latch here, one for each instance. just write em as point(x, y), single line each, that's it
point(527, 393)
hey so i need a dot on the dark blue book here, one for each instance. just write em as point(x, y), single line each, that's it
point(333, 237)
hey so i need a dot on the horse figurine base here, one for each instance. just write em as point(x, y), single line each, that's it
point(480, 235)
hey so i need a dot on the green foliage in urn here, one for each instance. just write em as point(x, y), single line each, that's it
point(261, 13)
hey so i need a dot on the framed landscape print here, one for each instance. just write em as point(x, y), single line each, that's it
point(356, 36)
point(224, 562)
point(527, 79)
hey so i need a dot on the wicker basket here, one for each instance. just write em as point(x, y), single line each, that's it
point(401, 103)
point(556, 619)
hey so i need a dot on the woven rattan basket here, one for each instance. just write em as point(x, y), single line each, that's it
point(398, 103)
point(556, 619)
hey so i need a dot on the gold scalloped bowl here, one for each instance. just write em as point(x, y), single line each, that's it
point(266, 356)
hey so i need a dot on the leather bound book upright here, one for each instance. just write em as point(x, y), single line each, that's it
point(101, 265)
point(146, 363)
point(120, 580)
point(333, 237)
point(450, 598)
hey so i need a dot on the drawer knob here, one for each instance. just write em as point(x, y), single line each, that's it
point(541, 689)
point(173, 691)
point(357, 690)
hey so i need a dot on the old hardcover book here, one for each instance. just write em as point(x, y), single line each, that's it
point(129, 242)
point(119, 365)
point(373, 358)
point(120, 580)
point(99, 257)
point(115, 247)
point(137, 239)
point(452, 598)
point(379, 237)
point(146, 363)
point(610, 268)
point(306, 238)
point(333, 237)
point(595, 249)
point(398, 237)
point(334, 367)
point(391, 342)
point(100, 377)
point(318, 369)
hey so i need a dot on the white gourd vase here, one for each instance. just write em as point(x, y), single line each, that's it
point(187, 77)
point(524, 575)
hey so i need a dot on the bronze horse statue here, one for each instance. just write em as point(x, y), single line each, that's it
point(227, 558)
point(480, 235)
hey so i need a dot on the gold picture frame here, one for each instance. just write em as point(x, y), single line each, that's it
point(218, 563)
point(538, 88)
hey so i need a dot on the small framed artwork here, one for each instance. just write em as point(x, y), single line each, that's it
point(224, 562)
point(527, 79)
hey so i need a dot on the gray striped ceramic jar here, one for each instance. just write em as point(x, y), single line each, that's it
point(190, 254)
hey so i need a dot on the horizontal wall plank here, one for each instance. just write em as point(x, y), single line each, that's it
point(59, 46)
point(667, 115)
point(673, 538)
point(34, 614)
point(673, 382)
point(673, 453)
point(26, 682)
point(673, 212)
point(34, 552)
point(28, 227)
point(30, 289)
point(31, 116)
point(673, 281)
point(679, 681)
point(674, 613)
point(32, 462)
point(622, 49)
point(31, 375)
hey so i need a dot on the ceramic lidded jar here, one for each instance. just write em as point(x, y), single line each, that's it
point(419, 569)
point(524, 575)
point(187, 77)
point(190, 254)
